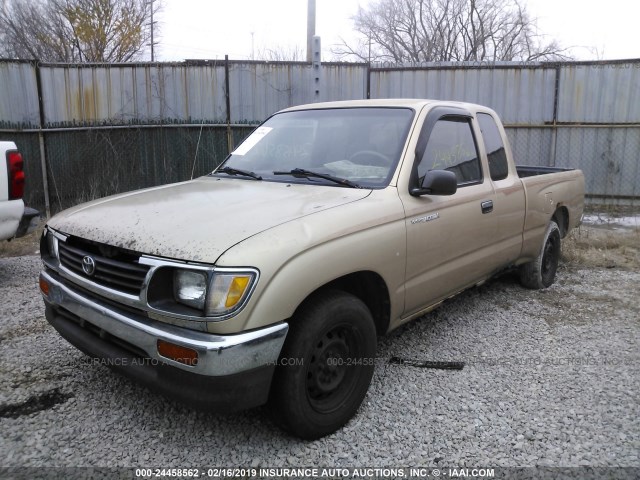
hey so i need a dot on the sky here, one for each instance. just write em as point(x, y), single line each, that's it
point(243, 29)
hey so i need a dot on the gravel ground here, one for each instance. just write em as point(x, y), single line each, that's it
point(551, 378)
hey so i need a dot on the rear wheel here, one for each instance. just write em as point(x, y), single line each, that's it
point(326, 365)
point(541, 273)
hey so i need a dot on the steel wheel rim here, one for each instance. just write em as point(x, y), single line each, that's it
point(331, 376)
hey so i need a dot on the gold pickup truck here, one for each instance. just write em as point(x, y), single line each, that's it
point(269, 280)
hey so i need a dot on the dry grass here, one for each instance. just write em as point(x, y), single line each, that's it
point(603, 247)
point(611, 209)
point(27, 245)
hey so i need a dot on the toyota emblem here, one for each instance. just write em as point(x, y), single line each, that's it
point(88, 265)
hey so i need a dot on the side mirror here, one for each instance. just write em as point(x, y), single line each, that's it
point(437, 182)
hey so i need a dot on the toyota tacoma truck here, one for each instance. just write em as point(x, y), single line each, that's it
point(16, 220)
point(269, 280)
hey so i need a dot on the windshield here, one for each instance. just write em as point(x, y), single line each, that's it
point(361, 146)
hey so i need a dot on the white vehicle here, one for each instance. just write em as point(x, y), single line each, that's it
point(16, 220)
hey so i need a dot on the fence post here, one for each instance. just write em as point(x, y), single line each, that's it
point(554, 127)
point(228, 102)
point(41, 141)
point(317, 68)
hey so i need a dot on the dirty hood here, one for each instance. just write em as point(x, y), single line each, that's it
point(200, 219)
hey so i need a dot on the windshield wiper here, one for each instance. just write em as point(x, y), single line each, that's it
point(301, 172)
point(237, 171)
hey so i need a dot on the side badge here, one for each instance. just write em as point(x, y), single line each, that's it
point(426, 218)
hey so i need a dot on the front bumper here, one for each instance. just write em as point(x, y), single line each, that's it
point(233, 372)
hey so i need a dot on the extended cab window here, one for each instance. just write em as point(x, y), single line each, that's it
point(496, 154)
point(451, 146)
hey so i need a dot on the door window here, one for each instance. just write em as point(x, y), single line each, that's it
point(451, 146)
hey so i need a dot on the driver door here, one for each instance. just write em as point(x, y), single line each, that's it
point(448, 237)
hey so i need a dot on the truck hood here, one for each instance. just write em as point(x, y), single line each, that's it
point(200, 219)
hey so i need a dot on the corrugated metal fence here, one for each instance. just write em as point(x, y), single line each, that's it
point(102, 129)
point(578, 115)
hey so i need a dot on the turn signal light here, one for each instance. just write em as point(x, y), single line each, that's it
point(236, 291)
point(178, 353)
point(44, 286)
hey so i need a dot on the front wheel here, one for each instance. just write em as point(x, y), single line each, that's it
point(326, 365)
point(541, 273)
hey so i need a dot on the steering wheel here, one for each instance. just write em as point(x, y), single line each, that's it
point(378, 159)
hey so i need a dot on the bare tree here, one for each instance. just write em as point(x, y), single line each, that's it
point(75, 30)
point(413, 31)
point(282, 54)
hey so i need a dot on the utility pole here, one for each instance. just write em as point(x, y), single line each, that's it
point(152, 25)
point(311, 28)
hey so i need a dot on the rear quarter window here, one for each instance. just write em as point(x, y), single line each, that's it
point(496, 153)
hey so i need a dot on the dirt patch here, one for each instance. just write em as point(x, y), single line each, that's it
point(34, 404)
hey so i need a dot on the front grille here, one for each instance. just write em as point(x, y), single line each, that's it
point(114, 268)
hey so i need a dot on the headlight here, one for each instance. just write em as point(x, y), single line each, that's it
point(190, 288)
point(227, 291)
point(211, 292)
point(52, 241)
point(49, 244)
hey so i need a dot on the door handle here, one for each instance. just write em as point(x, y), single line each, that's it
point(487, 206)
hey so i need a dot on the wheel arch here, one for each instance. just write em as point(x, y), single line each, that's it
point(561, 217)
point(367, 286)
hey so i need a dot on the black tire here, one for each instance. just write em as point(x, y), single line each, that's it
point(541, 273)
point(333, 339)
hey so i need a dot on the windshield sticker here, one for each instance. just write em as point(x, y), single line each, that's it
point(252, 141)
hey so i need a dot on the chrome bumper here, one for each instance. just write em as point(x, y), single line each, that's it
point(218, 355)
